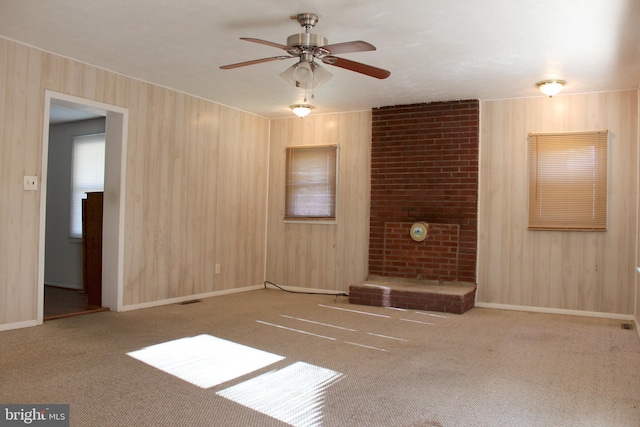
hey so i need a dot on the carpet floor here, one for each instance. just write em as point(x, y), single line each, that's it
point(271, 358)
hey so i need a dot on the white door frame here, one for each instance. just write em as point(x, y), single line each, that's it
point(117, 123)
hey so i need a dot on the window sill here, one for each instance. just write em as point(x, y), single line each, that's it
point(311, 221)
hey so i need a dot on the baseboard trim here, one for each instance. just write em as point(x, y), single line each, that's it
point(558, 311)
point(225, 292)
point(297, 289)
point(189, 298)
point(18, 325)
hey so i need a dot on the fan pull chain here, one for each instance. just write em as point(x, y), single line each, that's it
point(313, 88)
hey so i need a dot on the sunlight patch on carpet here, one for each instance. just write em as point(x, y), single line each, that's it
point(294, 395)
point(204, 360)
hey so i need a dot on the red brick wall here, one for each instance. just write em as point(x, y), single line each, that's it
point(424, 167)
point(436, 257)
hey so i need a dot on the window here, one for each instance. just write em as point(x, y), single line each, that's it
point(311, 176)
point(87, 175)
point(568, 181)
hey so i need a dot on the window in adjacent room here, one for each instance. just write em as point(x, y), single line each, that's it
point(568, 181)
point(87, 174)
point(311, 177)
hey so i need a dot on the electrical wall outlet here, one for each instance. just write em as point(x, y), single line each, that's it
point(31, 183)
point(217, 268)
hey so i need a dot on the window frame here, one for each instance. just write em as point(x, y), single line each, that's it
point(315, 219)
point(550, 213)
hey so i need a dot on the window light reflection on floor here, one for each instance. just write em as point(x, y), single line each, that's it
point(205, 360)
point(294, 395)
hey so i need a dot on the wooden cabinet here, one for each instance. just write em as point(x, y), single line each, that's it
point(92, 247)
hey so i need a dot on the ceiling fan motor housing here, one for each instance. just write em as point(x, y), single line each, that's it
point(306, 41)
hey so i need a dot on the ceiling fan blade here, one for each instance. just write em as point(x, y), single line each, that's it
point(268, 43)
point(255, 61)
point(347, 64)
point(347, 47)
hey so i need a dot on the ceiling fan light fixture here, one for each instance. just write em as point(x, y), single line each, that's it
point(317, 75)
point(301, 110)
point(550, 87)
point(303, 73)
point(320, 74)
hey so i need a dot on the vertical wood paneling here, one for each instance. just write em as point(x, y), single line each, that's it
point(324, 256)
point(637, 299)
point(135, 268)
point(5, 176)
point(208, 120)
point(208, 201)
point(564, 270)
point(17, 206)
point(195, 188)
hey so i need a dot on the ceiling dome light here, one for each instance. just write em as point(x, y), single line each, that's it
point(550, 87)
point(301, 110)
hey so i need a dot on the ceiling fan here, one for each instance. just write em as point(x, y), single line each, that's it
point(310, 49)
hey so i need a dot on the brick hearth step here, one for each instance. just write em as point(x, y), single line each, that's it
point(428, 295)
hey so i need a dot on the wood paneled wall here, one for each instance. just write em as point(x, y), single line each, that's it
point(590, 271)
point(195, 183)
point(325, 256)
point(637, 299)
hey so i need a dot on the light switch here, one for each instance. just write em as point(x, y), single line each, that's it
point(31, 183)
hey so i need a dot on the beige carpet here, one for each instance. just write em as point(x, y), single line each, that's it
point(337, 365)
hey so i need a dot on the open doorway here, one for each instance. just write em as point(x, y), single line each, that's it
point(75, 167)
point(93, 118)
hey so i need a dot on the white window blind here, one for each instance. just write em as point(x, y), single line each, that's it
point(568, 181)
point(87, 174)
point(311, 176)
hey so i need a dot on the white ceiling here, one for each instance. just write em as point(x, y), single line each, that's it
point(436, 50)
